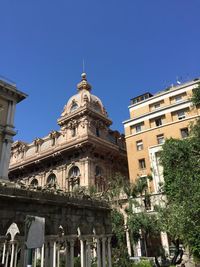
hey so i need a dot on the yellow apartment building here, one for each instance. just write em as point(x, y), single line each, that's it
point(154, 118)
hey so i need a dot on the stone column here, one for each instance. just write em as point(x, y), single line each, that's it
point(22, 253)
point(58, 257)
point(88, 253)
point(8, 119)
point(94, 251)
point(5, 157)
point(35, 258)
point(83, 253)
point(109, 252)
point(12, 254)
point(4, 253)
point(98, 252)
point(42, 256)
point(67, 255)
point(12, 113)
point(47, 254)
point(16, 252)
point(54, 254)
point(7, 256)
point(104, 252)
point(72, 253)
point(164, 241)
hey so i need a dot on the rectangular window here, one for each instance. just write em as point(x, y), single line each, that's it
point(184, 132)
point(138, 128)
point(157, 105)
point(181, 114)
point(142, 164)
point(158, 122)
point(178, 98)
point(139, 145)
point(160, 139)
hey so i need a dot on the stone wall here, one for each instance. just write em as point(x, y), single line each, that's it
point(65, 210)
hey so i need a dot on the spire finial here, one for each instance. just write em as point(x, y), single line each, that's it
point(84, 83)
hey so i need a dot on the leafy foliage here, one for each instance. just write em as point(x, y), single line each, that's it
point(196, 96)
point(143, 223)
point(181, 162)
point(118, 227)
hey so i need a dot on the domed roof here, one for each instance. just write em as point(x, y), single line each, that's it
point(83, 98)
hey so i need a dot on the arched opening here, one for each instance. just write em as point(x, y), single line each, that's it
point(51, 180)
point(73, 131)
point(34, 182)
point(99, 179)
point(73, 178)
point(74, 106)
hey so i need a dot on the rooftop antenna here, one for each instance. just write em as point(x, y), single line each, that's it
point(83, 65)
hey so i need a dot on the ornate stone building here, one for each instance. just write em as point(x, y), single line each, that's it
point(76, 227)
point(9, 97)
point(84, 152)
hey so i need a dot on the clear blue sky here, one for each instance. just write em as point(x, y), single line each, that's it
point(130, 46)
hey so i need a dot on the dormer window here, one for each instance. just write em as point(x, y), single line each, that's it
point(74, 106)
point(97, 107)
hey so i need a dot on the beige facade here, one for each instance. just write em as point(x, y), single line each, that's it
point(9, 97)
point(154, 118)
point(84, 152)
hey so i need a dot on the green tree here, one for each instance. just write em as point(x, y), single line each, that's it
point(181, 165)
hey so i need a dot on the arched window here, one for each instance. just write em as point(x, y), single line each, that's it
point(34, 182)
point(73, 131)
point(73, 178)
point(99, 179)
point(51, 180)
point(74, 106)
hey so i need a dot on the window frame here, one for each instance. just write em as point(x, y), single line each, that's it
point(160, 137)
point(142, 164)
point(182, 131)
point(139, 145)
point(178, 98)
point(181, 117)
point(138, 128)
point(160, 120)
